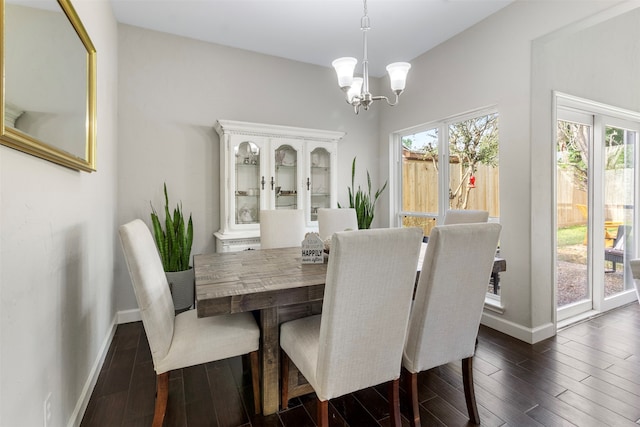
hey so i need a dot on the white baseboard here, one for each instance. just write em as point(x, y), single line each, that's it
point(128, 316)
point(528, 335)
point(87, 390)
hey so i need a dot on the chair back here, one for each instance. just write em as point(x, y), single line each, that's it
point(150, 286)
point(332, 220)
point(281, 228)
point(619, 241)
point(450, 295)
point(367, 299)
point(464, 216)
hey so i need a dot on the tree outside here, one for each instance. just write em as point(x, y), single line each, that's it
point(472, 143)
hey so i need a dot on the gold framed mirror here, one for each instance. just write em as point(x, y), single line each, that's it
point(48, 102)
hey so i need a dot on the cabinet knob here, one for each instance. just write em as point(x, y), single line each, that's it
point(262, 182)
point(272, 183)
point(308, 183)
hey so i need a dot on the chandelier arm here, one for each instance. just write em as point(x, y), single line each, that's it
point(380, 97)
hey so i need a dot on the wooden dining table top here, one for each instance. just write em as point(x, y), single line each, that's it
point(228, 282)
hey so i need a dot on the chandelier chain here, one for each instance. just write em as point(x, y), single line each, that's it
point(364, 21)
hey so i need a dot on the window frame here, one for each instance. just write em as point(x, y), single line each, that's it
point(442, 127)
point(396, 214)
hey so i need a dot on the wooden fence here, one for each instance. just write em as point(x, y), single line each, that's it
point(420, 187)
point(420, 192)
point(569, 197)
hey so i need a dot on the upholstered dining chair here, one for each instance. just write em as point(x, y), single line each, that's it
point(357, 340)
point(332, 220)
point(184, 340)
point(465, 216)
point(281, 228)
point(448, 305)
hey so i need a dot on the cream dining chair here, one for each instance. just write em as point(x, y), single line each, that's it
point(448, 305)
point(184, 340)
point(281, 228)
point(357, 340)
point(465, 216)
point(332, 220)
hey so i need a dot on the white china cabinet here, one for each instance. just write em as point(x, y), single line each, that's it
point(271, 167)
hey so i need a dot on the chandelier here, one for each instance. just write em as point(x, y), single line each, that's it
point(357, 88)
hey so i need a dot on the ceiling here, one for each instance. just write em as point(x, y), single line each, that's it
point(313, 31)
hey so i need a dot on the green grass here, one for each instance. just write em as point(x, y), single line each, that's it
point(571, 235)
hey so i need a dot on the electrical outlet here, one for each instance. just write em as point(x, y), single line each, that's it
point(47, 410)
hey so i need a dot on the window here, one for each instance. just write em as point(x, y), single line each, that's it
point(425, 189)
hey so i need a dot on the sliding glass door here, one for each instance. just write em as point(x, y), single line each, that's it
point(596, 193)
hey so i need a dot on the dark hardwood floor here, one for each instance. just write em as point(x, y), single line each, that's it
point(588, 375)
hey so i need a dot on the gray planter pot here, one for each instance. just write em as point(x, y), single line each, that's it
point(182, 285)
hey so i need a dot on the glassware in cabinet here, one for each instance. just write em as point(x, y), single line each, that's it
point(320, 181)
point(286, 172)
point(247, 182)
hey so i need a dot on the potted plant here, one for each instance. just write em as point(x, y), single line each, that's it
point(362, 202)
point(174, 243)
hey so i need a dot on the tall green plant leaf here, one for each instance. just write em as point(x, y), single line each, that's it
point(362, 202)
point(175, 240)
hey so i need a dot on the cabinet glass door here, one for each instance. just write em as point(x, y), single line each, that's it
point(285, 185)
point(247, 183)
point(320, 181)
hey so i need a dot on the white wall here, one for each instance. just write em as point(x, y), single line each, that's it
point(171, 92)
point(490, 64)
point(57, 245)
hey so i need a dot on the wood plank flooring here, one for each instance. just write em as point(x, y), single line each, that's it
point(588, 375)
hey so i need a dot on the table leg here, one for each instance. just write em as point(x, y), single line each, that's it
point(270, 336)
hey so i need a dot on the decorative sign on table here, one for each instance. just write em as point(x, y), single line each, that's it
point(312, 249)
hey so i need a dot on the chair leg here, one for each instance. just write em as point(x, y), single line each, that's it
point(255, 379)
point(412, 388)
point(394, 403)
point(284, 380)
point(162, 395)
point(323, 413)
point(469, 393)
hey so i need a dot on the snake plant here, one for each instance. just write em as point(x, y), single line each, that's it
point(175, 240)
point(362, 202)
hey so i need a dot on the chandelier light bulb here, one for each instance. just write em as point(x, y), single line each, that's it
point(355, 90)
point(398, 75)
point(344, 69)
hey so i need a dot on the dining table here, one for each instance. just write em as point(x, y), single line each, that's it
point(278, 287)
